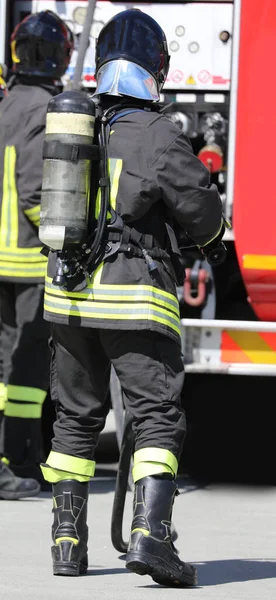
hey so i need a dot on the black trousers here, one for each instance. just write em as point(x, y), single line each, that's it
point(151, 372)
point(26, 364)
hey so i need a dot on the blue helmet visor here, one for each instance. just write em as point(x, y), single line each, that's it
point(125, 78)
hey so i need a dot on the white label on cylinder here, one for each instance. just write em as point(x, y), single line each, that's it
point(52, 235)
point(71, 123)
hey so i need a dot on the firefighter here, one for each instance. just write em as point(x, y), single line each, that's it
point(41, 47)
point(128, 313)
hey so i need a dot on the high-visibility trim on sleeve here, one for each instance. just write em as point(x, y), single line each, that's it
point(55, 475)
point(71, 464)
point(23, 410)
point(26, 394)
point(151, 461)
point(3, 395)
point(33, 214)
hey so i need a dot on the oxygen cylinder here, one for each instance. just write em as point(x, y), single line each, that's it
point(66, 182)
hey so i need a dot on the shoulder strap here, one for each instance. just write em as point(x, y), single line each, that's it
point(123, 113)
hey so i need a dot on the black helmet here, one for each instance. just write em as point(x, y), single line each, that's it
point(41, 45)
point(132, 39)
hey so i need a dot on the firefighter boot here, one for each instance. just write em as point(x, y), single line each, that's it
point(14, 488)
point(151, 550)
point(27, 453)
point(70, 531)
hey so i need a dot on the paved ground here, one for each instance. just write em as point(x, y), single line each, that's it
point(228, 531)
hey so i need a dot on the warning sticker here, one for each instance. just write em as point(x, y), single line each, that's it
point(176, 76)
point(204, 76)
point(191, 80)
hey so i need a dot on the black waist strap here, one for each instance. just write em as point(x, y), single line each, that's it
point(147, 240)
point(131, 243)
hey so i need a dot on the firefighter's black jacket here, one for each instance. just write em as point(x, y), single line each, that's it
point(155, 178)
point(22, 124)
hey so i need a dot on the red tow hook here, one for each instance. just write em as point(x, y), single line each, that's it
point(202, 278)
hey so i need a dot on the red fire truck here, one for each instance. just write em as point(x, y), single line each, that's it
point(220, 91)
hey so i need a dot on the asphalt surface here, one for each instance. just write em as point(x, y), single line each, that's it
point(227, 530)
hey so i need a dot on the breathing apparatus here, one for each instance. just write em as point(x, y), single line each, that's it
point(76, 217)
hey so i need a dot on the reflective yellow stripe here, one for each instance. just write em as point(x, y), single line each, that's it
point(3, 395)
point(14, 269)
point(147, 312)
point(104, 300)
point(120, 287)
point(259, 261)
point(145, 469)
point(26, 394)
point(23, 410)
point(9, 213)
point(72, 464)
point(118, 293)
point(143, 531)
point(66, 539)
point(149, 461)
point(127, 304)
point(5, 200)
point(17, 252)
point(15, 58)
point(96, 277)
point(36, 259)
point(115, 166)
point(55, 475)
point(33, 214)
point(152, 454)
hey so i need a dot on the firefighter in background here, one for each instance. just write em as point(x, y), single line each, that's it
point(41, 47)
point(3, 93)
point(128, 315)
